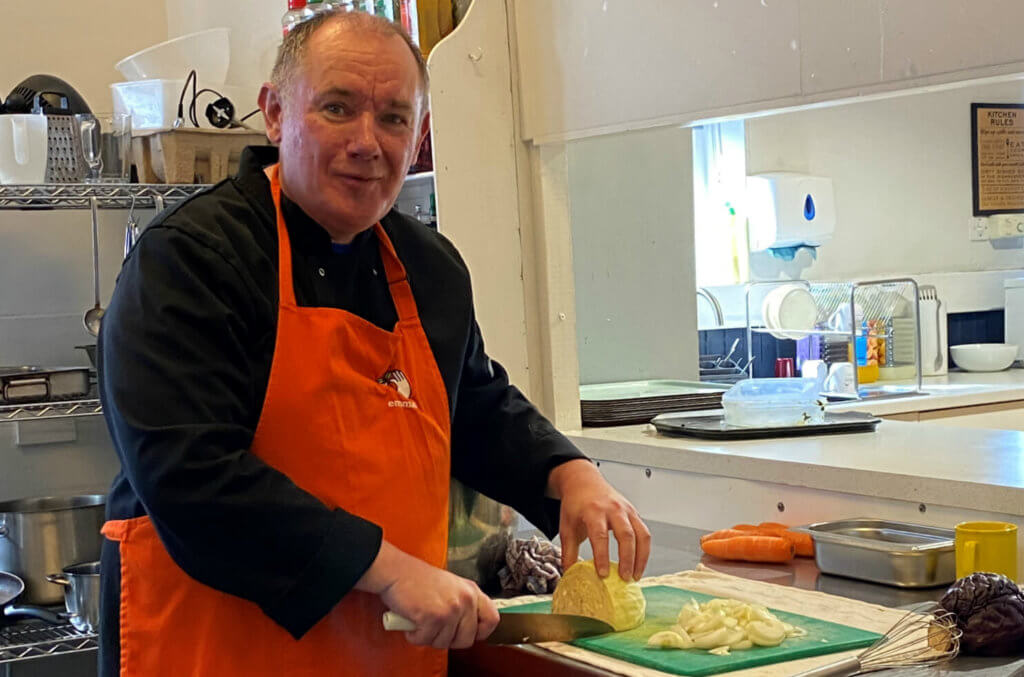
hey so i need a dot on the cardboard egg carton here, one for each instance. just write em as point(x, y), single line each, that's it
point(191, 155)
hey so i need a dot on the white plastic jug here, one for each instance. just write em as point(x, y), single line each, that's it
point(23, 148)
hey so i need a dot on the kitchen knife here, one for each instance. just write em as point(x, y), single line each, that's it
point(525, 628)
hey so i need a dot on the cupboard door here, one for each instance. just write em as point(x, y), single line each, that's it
point(602, 66)
point(840, 44)
point(930, 37)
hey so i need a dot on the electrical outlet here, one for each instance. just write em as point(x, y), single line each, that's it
point(1006, 226)
point(977, 228)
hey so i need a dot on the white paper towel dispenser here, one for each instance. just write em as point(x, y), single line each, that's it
point(788, 210)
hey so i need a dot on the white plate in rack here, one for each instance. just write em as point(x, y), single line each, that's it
point(790, 307)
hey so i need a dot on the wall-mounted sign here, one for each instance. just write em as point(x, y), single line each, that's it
point(997, 156)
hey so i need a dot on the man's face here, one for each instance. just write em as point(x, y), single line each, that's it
point(348, 127)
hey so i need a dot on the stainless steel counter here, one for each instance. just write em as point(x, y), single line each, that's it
point(677, 549)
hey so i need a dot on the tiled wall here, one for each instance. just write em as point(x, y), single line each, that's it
point(46, 281)
point(982, 327)
point(766, 348)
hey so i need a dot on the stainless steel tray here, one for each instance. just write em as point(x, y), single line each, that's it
point(893, 553)
point(22, 385)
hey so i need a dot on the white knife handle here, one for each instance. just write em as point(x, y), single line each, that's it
point(394, 622)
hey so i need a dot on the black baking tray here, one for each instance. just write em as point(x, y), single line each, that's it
point(715, 428)
point(29, 385)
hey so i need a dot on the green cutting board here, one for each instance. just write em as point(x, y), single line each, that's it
point(663, 605)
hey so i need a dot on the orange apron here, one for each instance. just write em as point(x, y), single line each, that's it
point(355, 415)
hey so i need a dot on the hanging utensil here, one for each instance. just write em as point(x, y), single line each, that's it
point(131, 229)
point(95, 314)
point(728, 355)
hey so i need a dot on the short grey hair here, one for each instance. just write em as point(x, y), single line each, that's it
point(295, 45)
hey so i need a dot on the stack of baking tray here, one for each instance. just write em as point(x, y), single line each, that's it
point(606, 404)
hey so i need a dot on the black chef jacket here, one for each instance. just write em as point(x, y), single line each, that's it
point(184, 360)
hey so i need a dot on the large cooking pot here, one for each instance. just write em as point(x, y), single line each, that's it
point(42, 535)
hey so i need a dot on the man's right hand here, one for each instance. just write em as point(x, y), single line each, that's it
point(450, 612)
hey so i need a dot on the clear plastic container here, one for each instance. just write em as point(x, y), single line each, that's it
point(775, 403)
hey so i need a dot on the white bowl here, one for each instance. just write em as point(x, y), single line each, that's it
point(984, 356)
point(208, 52)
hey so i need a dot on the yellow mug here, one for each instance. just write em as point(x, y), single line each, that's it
point(986, 547)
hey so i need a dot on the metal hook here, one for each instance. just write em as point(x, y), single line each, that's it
point(131, 229)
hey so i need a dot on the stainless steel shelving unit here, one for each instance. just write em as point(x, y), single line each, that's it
point(109, 195)
point(35, 639)
point(50, 410)
point(32, 639)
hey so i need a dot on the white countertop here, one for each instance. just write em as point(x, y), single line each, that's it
point(959, 467)
point(958, 389)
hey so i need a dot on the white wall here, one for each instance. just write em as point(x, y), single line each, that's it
point(631, 202)
point(76, 40)
point(255, 32)
point(902, 174)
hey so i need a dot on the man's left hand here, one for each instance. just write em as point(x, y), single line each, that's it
point(590, 509)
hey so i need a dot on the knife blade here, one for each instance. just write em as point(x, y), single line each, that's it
point(525, 628)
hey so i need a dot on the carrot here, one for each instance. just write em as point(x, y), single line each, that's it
point(803, 543)
point(750, 548)
point(772, 525)
point(723, 533)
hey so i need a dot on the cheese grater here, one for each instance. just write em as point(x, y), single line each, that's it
point(65, 161)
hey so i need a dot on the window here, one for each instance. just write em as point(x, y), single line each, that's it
point(719, 178)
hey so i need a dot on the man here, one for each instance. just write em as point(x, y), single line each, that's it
point(291, 374)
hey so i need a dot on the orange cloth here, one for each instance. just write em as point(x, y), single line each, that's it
point(357, 416)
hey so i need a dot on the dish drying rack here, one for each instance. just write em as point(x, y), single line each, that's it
point(877, 309)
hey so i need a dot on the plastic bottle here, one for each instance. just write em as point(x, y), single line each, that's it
point(337, 6)
point(405, 14)
point(296, 14)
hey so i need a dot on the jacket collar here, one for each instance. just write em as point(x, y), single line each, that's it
point(307, 234)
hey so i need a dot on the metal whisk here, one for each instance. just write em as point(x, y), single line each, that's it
point(927, 635)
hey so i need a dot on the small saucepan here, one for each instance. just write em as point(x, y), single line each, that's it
point(81, 594)
point(10, 587)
